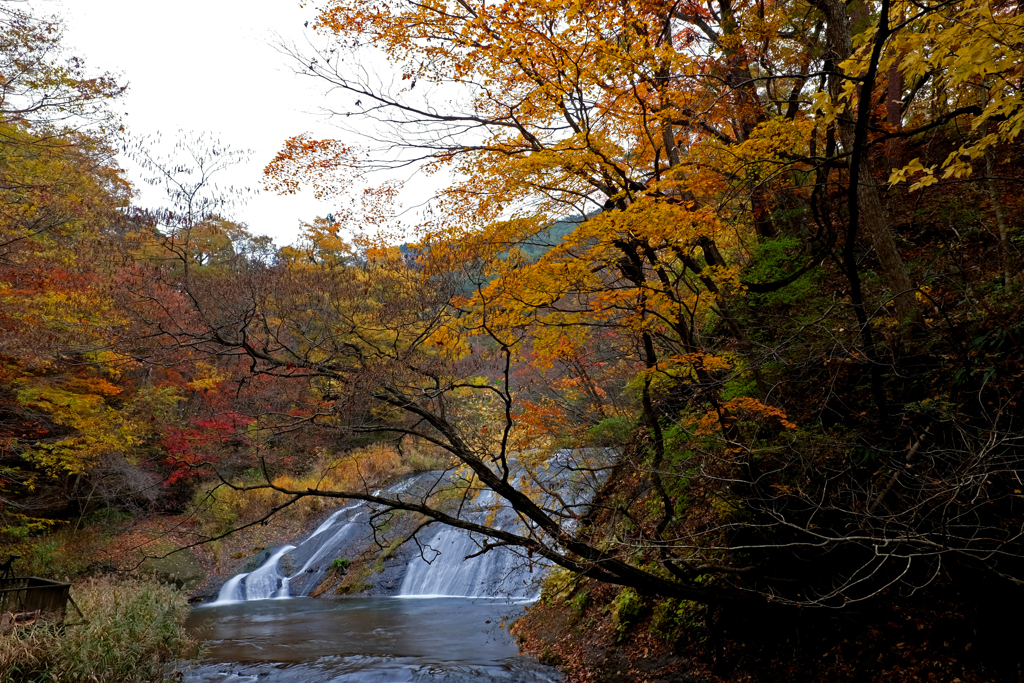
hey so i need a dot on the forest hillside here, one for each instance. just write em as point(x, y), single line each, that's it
point(724, 301)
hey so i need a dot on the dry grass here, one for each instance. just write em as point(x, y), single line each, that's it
point(364, 470)
point(134, 634)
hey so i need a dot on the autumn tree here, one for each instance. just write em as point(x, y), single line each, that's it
point(816, 417)
point(41, 84)
point(66, 409)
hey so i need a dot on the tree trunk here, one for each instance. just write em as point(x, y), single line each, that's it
point(894, 116)
point(997, 207)
point(872, 217)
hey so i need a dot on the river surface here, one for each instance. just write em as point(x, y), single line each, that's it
point(365, 639)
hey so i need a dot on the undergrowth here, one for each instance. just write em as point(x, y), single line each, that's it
point(134, 633)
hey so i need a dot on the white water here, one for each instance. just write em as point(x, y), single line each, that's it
point(321, 554)
point(442, 570)
point(231, 591)
point(269, 582)
point(499, 573)
point(329, 521)
point(260, 584)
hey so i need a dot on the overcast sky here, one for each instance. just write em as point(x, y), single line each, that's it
point(208, 65)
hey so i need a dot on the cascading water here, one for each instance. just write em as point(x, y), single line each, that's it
point(314, 568)
point(442, 570)
point(454, 638)
point(259, 584)
point(269, 582)
point(265, 581)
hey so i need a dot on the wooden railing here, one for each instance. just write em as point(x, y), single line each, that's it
point(27, 600)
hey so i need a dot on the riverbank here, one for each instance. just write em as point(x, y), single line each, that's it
point(133, 632)
point(597, 633)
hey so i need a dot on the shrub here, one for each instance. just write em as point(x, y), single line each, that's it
point(60, 551)
point(672, 618)
point(626, 609)
point(611, 431)
point(424, 459)
point(341, 564)
point(559, 586)
point(578, 602)
point(134, 633)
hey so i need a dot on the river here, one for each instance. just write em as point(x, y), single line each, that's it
point(414, 628)
point(365, 639)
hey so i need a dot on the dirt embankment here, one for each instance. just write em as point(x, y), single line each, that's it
point(598, 633)
point(580, 633)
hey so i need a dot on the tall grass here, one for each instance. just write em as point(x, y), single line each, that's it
point(134, 634)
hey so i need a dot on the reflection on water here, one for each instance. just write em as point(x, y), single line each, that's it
point(442, 640)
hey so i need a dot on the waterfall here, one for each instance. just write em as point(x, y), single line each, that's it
point(312, 573)
point(260, 584)
point(232, 590)
point(264, 582)
point(441, 569)
point(268, 581)
point(329, 521)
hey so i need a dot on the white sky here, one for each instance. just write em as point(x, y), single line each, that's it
point(209, 65)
